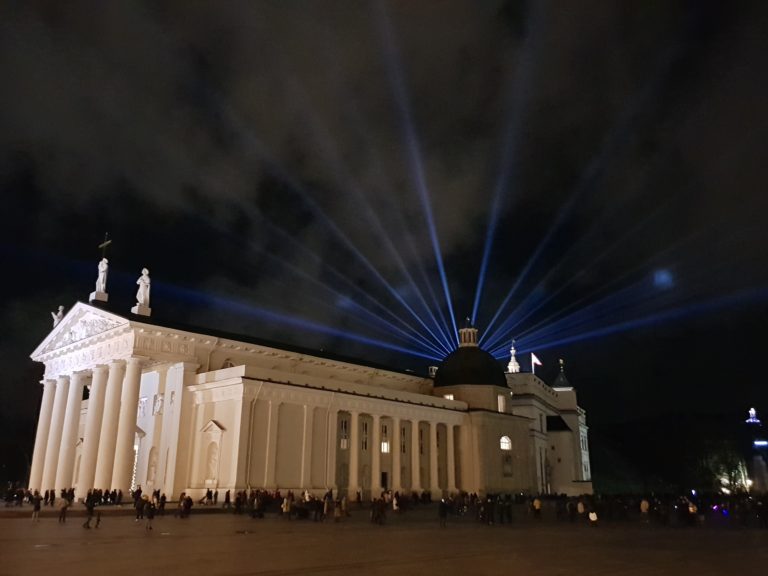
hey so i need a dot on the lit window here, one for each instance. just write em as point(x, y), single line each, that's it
point(448, 396)
point(385, 447)
point(505, 443)
point(344, 443)
point(502, 403)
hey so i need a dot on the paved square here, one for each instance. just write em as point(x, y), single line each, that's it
point(228, 545)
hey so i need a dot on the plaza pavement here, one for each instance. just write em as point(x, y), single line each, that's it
point(217, 544)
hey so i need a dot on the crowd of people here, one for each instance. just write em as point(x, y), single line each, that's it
point(692, 509)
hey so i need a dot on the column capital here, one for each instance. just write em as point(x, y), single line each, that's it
point(48, 382)
point(100, 368)
point(137, 360)
point(62, 377)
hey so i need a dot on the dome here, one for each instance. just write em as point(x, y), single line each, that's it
point(470, 365)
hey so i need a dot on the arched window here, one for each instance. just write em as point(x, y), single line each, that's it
point(505, 443)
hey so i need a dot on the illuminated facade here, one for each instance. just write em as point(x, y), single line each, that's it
point(184, 410)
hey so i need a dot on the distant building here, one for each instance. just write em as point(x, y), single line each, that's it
point(184, 409)
point(757, 466)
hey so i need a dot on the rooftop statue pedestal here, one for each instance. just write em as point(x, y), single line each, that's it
point(141, 310)
point(98, 297)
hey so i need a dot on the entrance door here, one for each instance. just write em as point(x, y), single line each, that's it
point(384, 481)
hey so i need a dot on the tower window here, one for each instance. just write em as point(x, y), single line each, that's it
point(502, 403)
point(505, 443)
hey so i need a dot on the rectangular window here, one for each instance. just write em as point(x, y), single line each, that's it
point(448, 396)
point(502, 403)
point(343, 443)
point(364, 442)
point(421, 441)
point(402, 440)
point(385, 447)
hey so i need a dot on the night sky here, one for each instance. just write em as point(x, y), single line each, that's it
point(277, 165)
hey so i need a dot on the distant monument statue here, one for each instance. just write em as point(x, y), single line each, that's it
point(142, 295)
point(101, 281)
point(57, 316)
point(753, 419)
point(100, 294)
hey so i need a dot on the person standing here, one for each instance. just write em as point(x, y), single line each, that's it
point(90, 504)
point(36, 501)
point(150, 513)
point(63, 505)
point(442, 512)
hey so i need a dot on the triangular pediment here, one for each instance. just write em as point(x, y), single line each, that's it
point(83, 321)
point(212, 426)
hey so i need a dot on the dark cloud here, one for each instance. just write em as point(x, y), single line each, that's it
point(255, 151)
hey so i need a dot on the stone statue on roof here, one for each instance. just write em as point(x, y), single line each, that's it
point(101, 280)
point(142, 295)
point(57, 316)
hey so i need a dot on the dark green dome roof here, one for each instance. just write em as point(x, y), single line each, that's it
point(470, 365)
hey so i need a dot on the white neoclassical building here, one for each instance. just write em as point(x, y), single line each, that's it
point(183, 410)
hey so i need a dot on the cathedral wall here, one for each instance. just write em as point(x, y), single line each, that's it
point(289, 445)
point(561, 461)
point(498, 470)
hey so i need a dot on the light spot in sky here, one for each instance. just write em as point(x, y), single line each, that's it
point(663, 279)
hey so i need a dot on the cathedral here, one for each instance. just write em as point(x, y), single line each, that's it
point(185, 409)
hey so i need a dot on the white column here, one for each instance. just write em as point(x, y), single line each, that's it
point(333, 442)
point(126, 427)
point(105, 459)
point(66, 466)
point(54, 434)
point(396, 450)
point(376, 458)
point(41, 438)
point(306, 447)
point(451, 464)
point(92, 430)
point(434, 480)
point(270, 466)
point(354, 447)
point(415, 460)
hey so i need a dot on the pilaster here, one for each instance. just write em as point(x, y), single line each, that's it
point(415, 457)
point(376, 458)
point(306, 447)
point(271, 452)
point(354, 460)
point(396, 451)
point(434, 479)
point(451, 464)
